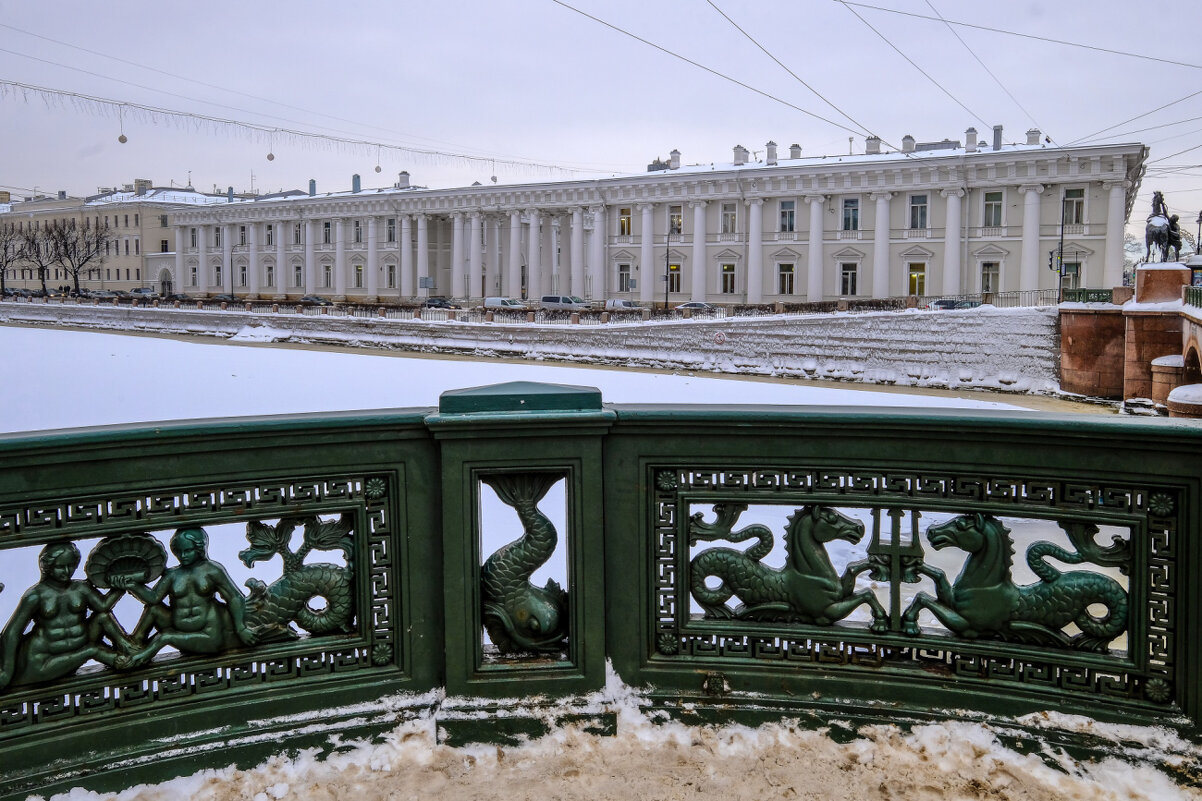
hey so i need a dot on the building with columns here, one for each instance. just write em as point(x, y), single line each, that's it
point(939, 218)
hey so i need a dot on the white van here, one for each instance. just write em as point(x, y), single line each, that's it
point(620, 304)
point(503, 304)
point(563, 303)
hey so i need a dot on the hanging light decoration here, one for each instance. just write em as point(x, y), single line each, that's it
point(271, 147)
point(121, 125)
point(378, 168)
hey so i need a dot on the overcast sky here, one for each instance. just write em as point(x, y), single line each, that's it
point(533, 81)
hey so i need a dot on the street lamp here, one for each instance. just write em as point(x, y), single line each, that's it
point(1198, 241)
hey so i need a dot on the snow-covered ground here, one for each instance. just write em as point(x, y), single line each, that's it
point(57, 379)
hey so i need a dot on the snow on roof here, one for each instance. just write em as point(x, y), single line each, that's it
point(158, 195)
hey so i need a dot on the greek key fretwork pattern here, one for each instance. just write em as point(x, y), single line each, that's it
point(770, 629)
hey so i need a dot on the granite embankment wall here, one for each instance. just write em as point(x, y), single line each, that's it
point(1008, 349)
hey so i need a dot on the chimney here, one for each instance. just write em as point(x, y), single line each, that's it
point(872, 146)
point(997, 137)
point(970, 140)
point(142, 185)
point(674, 159)
point(1033, 136)
point(402, 180)
point(770, 154)
point(62, 194)
point(794, 151)
point(355, 183)
point(740, 155)
point(312, 187)
point(907, 144)
point(229, 195)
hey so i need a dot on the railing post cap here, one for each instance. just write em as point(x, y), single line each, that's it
point(520, 396)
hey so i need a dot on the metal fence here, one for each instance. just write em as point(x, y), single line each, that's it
point(1025, 563)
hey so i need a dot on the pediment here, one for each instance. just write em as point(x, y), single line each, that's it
point(918, 252)
point(850, 254)
point(622, 255)
point(990, 251)
point(726, 254)
point(784, 253)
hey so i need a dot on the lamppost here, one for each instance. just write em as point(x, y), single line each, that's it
point(667, 271)
point(1198, 241)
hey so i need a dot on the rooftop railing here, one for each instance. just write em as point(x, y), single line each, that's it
point(204, 592)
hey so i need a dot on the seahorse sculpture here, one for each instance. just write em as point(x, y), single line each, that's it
point(519, 616)
point(271, 609)
point(806, 590)
point(985, 602)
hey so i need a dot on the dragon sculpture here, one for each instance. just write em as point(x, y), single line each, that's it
point(806, 590)
point(519, 616)
point(985, 602)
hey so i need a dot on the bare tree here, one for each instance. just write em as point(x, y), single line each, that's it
point(78, 249)
point(10, 251)
point(37, 249)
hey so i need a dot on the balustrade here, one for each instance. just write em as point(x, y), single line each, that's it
point(203, 591)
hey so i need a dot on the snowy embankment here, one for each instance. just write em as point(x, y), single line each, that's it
point(985, 348)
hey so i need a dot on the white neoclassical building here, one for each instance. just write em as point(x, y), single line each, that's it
point(941, 218)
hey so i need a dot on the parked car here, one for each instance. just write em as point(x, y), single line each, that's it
point(180, 296)
point(620, 304)
point(968, 304)
point(438, 303)
point(942, 304)
point(316, 300)
point(103, 294)
point(563, 303)
point(143, 293)
point(223, 298)
point(696, 305)
point(503, 304)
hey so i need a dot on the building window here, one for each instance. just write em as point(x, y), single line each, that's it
point(673, 277)
point(325, 233)
point(993, 210)
point(675, 219)
point(918, 278)
point(192, 235)
point(270, 234)
point(242, 275)
point(392, 229)
point(270, 275)
point(192, 277)
point(296, 233)
point(918, 211)
point(127, 247)
point(138, 247)
point(358, 229)
point(728, 279)
point(1070, 275)
point(851, 215)
point(788, 216)
point(162, 221)
point(623, 277)
point(358, 276)
point(327, 275)
point(216, 276)
point(624, 223)
point(106, 247)
point(163, 246)
point(1074, 207)
point(729, 218)
point(135, 220)
point(848, 272)
point(390, 275)
point(241, 234)
point(216, 237)
point(126, 220)
point(990, 273)
point(298, 278)
point(784, 279)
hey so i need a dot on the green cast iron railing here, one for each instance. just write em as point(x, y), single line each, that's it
point(1193, 296)
point(738, 563)
point(1088, 296)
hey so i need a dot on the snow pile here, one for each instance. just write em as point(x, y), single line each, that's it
point(652, 757)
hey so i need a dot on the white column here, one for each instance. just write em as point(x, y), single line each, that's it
point(814, 289)
point(1116, 214)
point(227, 259)
point(534, 243)
point(513, 275)
point(339, 259)
point(648, 272)
point(252, 279)
point(755, 251)
point(700, 260)
point(1029, 270)
point(408, 284)
point(179, 283)
point(423, 254)
point(547, 259)
point(310, 260)
point(951, 242)
point(880, 245)
point(578, 285)
point(202, 259)
point(596, 259)
point(283, 270)
point(475, 255)
point(373, 256)
point(456, 255)
point(492, 267)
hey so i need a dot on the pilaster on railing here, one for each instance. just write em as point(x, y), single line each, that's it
point(1081, 295)
point(1193, 296)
